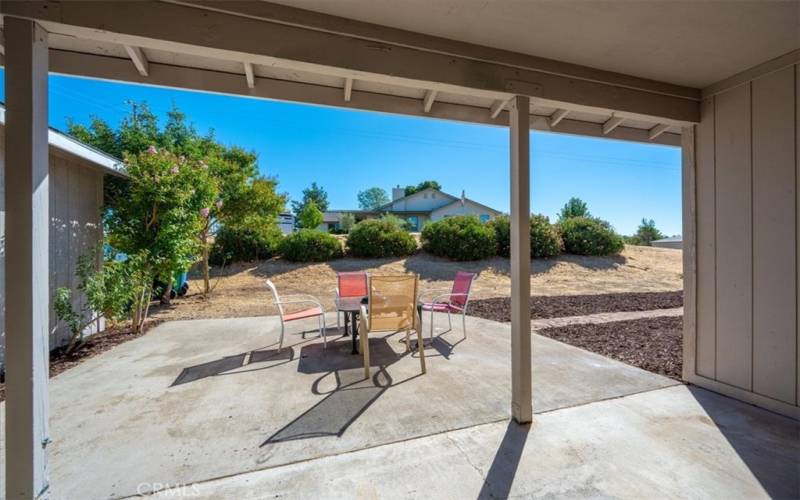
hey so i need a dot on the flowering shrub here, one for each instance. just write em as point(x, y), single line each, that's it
point(161, 213)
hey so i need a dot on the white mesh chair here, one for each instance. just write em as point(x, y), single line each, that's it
point(315, 311)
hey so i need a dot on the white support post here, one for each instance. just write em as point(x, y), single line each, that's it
point(27, 308)
point(521, 383)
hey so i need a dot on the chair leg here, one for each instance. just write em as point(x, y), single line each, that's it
point(338, 323)
point(365, 350)
point(431, 324)
point(408, 342)
point(421, 349)
point(464, 323)
point(280, 340)
point(322, 332)
point(449, 321)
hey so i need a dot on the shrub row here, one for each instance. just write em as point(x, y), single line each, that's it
point(458, 238)
point(370, 238)
point(466, 238)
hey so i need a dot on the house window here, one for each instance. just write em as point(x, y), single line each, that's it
point(485, 217)
point(425, 196)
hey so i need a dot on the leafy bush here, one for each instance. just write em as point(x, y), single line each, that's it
point(244, 244)
point(310, 217)
point(545, 237)
point(309, 245)
point(380, 238)
point(346, 222)
point(462, 237)
point(590, 236)
point(114, 290)
point(575, 207)
point(646, 233)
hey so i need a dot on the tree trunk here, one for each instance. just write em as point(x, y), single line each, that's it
point(206, 285)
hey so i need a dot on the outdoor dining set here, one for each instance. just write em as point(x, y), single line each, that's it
point(371, 303)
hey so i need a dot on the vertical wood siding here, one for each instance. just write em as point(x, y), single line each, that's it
point(75, 226)
point(734, 241)
point(747, 151)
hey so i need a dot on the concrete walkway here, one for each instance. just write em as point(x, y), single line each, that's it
point(676, 442)
point(593, 319)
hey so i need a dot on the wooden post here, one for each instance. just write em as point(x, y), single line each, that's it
point(521, 392)
point(689, 253)
point(27, 277)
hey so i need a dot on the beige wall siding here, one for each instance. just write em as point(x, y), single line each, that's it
point(76, 195)
point(746, 155)
point(774, 239)
point(734, 237)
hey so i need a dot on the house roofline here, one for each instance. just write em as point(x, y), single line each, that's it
point(70, 145)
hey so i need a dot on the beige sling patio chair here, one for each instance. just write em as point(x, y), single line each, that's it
point(391, 308)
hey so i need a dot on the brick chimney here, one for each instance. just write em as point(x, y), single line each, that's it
point(398, 192)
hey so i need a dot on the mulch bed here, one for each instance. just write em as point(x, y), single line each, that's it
point(653, 344)
point(499, 308)
point(93, 345)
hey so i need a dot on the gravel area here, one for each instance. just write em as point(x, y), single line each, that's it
point(653, 344)
point(499, 308)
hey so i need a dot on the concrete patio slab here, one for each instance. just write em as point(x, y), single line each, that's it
point(676, 442)
point(197, 400)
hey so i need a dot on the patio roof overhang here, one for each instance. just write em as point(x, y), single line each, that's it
point(265, 51)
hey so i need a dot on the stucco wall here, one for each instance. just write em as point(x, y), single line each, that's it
point(468, 208)
point(423, 201)
point(746, 154)
point(76, 195)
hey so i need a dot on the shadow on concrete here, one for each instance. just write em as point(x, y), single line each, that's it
point(352, 394)
point(504, 465)
point(227, 364)
point(768, 443)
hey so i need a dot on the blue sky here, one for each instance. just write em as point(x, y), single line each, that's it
point(348, 151)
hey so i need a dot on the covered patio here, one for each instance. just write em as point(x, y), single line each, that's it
point(197, 401)
point(696, 76)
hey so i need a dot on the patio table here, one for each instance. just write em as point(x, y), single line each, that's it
point(351, 307)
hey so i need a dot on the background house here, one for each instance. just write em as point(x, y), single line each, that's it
point(76, 196)
point(423, 206)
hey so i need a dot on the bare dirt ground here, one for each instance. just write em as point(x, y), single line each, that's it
point(239, 289)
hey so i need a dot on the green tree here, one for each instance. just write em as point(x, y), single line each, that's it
point(575, 207)
point(313, 193)
point(422, 185)
point(168, 203)
point(310, 217)
point(646, 233)
point(347, 222)
point(243, 197)
point(372, 198)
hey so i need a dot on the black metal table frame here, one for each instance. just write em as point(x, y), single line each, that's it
point(352, 318)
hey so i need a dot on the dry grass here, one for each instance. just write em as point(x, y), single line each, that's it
point(240, 291)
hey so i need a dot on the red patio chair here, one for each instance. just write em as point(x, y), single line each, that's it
point(453, 302)
point(351, 284)
point(316, 311)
